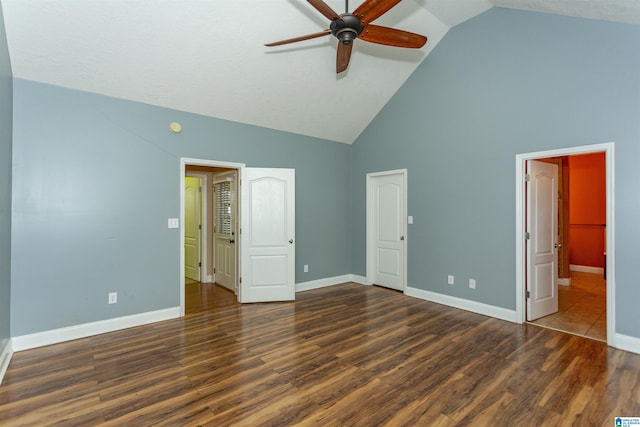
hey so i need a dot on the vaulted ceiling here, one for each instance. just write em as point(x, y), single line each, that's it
point(208, 56)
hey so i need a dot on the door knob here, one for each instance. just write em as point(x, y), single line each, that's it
point(290, 240)
point(557, 245)
point(232, 241)
point(401, 237)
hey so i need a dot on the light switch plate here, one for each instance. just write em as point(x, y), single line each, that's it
point(173, 223)
point(410, 219)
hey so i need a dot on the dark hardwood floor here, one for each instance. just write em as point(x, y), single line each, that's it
point(347, 355)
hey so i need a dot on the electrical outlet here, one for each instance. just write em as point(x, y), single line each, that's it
point(306, 268)
point(450, 279)
point(472, 283)
point(113, 297)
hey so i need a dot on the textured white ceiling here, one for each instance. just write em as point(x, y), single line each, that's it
point(207, 56)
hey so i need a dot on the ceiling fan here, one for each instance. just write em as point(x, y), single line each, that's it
point(346, 27)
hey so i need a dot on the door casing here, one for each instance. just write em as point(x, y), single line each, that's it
point(370, 240)
point(608, 149)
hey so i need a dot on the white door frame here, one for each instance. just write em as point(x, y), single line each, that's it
point(184, 161)
point(608, 149)
point(371, 255)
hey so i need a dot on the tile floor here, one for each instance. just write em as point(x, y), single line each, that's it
point(582, 307)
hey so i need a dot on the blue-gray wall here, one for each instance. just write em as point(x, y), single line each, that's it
point(504, 83)
point(95, 179)
point(6, 108)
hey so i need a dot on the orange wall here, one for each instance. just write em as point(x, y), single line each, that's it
point(587, 199)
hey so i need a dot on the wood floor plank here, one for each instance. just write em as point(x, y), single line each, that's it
point(342, 355)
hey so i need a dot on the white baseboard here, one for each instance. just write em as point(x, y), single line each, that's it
point(322, 283)
point(329, 281)
point(40, 339)
point(627, 343)
point(5, 357)
point(464, 304)
point(358, 279)
point(586, 269)
point(562, 281)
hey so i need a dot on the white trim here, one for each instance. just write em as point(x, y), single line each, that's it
point(370, 241)
point(586, 269)
point(626, 342)
point(331, 281)
point(356, 278)
point(5, 358)
point(563, 281)
point(184, 161)
point(463, 304)
point(608, 149)
point(323, 283)
point(55, 336)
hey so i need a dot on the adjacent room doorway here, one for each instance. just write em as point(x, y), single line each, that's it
point(537, 234)
point(265, 247)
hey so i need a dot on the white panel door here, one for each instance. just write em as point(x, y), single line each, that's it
point(192, 232)
point(224, 208)
point(388, 223)
point(267, 235)
point(542, 226)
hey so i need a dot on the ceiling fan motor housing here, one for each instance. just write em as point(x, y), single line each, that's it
point(346, 30)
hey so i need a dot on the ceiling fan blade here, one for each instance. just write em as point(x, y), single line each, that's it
point(371, 10)
point(392, 37)
point(325, 9)
point(301, 38)
point(343, 57)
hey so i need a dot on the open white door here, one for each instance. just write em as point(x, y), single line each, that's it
point(542, 231)
point(224, 231)
point(192, 228)
point(267, 233)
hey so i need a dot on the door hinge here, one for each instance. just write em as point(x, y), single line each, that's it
point(199, 226)
point(240, 280)
point(199, 264)
point(527, 294)
point(214, 270)
point(527, 177)
point(200, 189)
point(527, 235)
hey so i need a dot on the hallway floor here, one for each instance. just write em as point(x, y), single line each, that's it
point(201, 297)
point(582, 307)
